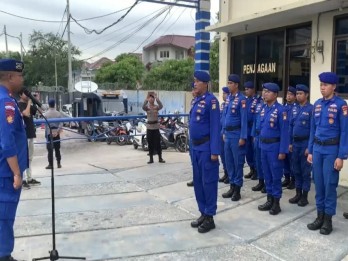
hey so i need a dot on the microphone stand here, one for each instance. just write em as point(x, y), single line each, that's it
point(53, 253)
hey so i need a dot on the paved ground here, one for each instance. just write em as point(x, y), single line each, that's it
point(111, 205)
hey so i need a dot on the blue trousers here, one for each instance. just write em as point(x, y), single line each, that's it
point(235, 158)
point(257, 156)
point(250, 152)
point(326, 182)
point(301, 168)
point(222, 155)
point(205, 181)
point(288, 172)
point(9, 198)
point(273, 172)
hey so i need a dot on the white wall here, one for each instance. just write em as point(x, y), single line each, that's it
point(153, 54)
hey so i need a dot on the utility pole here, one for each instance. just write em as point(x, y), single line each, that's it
point(70, 87)
point(7, 54)
point(21, 43)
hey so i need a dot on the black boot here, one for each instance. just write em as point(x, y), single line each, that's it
point(59, 165)
point(267, 205)
point(345, 215)
point(160, 160)
point(236, 194)
point(250, 174)
point(286, 182)
point(229, 193)
point(190, 183)
point(254, 176)
point(199, 221)
point(207, 225)
point(304, 199)
point(151, 159)
point(225, 176)
point(275, 210)
point(227, 180)
point(259, 186)
point(326, 228)
point(318, 222)
point(263, 190)
point(297, 197)
point(291, 184)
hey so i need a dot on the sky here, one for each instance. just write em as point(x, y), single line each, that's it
point(120, 38)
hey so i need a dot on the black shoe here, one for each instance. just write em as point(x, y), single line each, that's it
point(227, 180)
point(304, 199)
point(345, 215)
point(151, 159)
point(297, 197)
point(275, 210)
point(225, 176)
point(190, 183)
point(291, 185)
point(7, 258)
point(34, 182)
point(250, 174)
point(254, 176)
point(236, 194)
point(318, 222)
point(199, 221)
point(207, 225)
point(59, 165)
point(49, 167)
point(286, 182)
point(160, 160)
point(326, 228)
point(229, 193)
point(268, 205)
point(263, 190)
point(25, 185)
point(259, 185)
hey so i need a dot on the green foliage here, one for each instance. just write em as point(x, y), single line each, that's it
point(170, 75)
point(214, 65)
point(13, 55)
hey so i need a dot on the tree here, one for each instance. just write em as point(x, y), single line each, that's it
point(13, 55)
point(214, 65)
point(170, 75)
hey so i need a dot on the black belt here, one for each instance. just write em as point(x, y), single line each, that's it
point(232, 128)
point(333, 141)
point(200, 141)
point(152, 122)
point(269, 140)
point(300, 138)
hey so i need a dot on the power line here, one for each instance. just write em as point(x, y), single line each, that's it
point(88, 31)
point(18, 39)
point(174, 21)
point(61, 22)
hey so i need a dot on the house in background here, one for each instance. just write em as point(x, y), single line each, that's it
point(89, 70)
point(174, 47)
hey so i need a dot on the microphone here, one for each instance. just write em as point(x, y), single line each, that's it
point(29, 95)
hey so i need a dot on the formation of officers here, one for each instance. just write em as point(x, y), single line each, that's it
point(277, 141)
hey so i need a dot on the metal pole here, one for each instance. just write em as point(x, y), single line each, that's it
point(70, 89)
point(7, 54)
point(21, 43)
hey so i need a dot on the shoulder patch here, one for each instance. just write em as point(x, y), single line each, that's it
point(345, 110)
point(10, 111)
point(243, 102)
point(285, 116)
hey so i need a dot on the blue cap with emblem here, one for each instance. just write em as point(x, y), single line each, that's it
point(202, 76)
point(328, 77)
point(234, 78)
point(11, 65)
point(302, 87)
point(249, 85)
point(225, 90)
point(273, 87)
point(292, 90)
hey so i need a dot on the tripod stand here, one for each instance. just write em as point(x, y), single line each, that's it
point(53, 253)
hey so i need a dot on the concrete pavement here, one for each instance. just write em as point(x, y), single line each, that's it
point(111, 205)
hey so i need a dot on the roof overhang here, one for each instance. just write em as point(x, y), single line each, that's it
point(298, 12)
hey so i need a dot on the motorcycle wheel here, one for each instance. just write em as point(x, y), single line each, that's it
point(144, 144)
point(135, 146)
point(109, 140)
point(121, 140)
point(181, 144)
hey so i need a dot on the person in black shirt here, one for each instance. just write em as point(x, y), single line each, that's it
point(28, 111)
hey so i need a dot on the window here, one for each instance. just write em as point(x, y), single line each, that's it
point(179, 55)
point(164, 54)
point(341, 54)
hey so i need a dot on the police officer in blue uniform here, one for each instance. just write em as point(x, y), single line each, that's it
point(300, 123)
point(13, 152)
point(193, 92)
point(255, 133)
point(235, 135)
point(252, 100)
point(328, 147)
point(223, 109)
point(205, 138)
point(289, 178)
point(274, 143)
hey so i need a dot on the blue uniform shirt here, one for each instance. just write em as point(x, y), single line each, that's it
point(205, 123)
point(300, 123)
point(223, 109)
point(13, 138)
point(251, 108)
point(330, 121)
point(236, 117)
point(274, 123)
point(255, 132)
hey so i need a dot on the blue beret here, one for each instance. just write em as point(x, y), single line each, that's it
point(11, 65)
point(292, 90)
point(51, 102)
point(249, 85)
point(202, 76)
point(273, 87)
point(226, 90)
point(302, 87)
point(234, 78)
point(328, 77)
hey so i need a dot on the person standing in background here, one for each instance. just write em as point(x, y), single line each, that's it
point(124, 100)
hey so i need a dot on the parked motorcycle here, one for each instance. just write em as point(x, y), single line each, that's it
point(117, 133)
